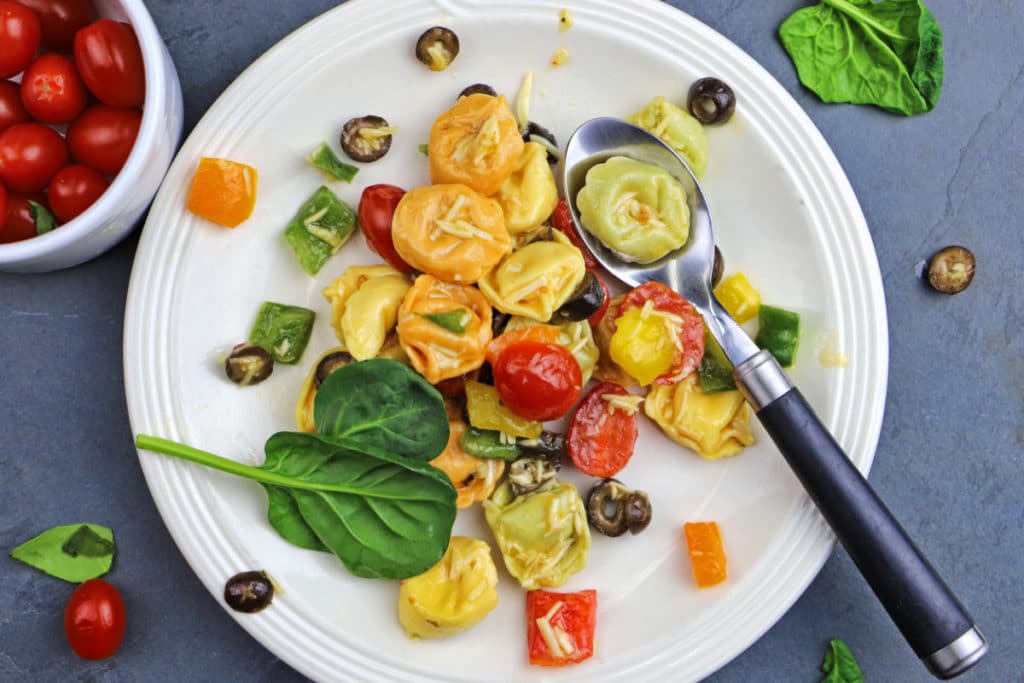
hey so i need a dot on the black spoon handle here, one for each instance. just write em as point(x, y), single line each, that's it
point(932, 620)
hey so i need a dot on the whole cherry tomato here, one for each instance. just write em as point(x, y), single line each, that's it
point(19, 224)
point(73, 190)
point(601, 435)
point(12, 111)
point(60, 20)
point(30, 153)
point(3, 206)
point(102, 137)
point(562, 220)
point(52, 90)
point(536, 380)
point(110, 60)
point(94, 620)
point(376, 209)
point(19, 37)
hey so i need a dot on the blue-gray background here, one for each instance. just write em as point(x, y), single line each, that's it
point(949, 462)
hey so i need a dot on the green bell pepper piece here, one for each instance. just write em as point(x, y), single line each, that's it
point(715, 370)
point(487, 443)
point(282, 330)
point(779, 333)
point(321, 225)
point(328, 163)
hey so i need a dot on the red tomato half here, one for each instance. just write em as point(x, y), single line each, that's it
point(601, 438)
point(110, 60)
point(12, 111)
point(73, 190)
point(19, 38)
point(102, 137)
point(60, 20)
point(19, 224)
point(537, 381)
point(94, 620)
point(575, 616)
point(691, 333)
point(52, 90)
point(562, 220)
point(30, 153)
point(376, 209)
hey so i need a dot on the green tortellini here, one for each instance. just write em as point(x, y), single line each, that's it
point(637, 210)
point(543, 536)
point(677, 129)
point(577, 337)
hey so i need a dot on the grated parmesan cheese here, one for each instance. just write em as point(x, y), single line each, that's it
point(627, 404)
point(523, 98)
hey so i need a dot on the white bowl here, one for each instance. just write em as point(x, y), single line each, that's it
point(116, 213)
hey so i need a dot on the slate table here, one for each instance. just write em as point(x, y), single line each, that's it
point(949, 462)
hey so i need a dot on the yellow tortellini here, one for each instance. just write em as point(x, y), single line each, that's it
point(543, 536)
point(444, 328)
point(364, 307)
point(606, 369)
point(713, 425)
point(453, 595)
point(536, 280)
point(474, 478)
point(577, 337)
point(676, 128)
point(637, 210)
point(528, 196)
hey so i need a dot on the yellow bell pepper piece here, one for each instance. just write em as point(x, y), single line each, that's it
point(738, 297)
point(641, 345)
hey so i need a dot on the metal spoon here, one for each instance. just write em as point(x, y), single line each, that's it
point(932, 620)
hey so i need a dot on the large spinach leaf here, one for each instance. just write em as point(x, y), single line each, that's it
point(884, 53)
point(382, 403)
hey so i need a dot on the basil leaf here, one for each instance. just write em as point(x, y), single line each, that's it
point(840, 664)
point(884, 53)
point(73, 552)
point(383, 404)
point(453, 321)
point(41, 216)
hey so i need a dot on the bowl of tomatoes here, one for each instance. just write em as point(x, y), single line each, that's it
point(90, 116)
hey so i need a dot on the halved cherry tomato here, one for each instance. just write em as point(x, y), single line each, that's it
point(547, 334)
point(30, 153)
point(601, 437)
point(103, 137)
point(12, 110)
point(572, 614)
point(537, 381)
point(60, 20)
point(73, 190)
point(52, 90)
point(19, 223)
point(376, 209)
point(595, 319)
point(19, 37)
point(3, 206)
point(95, 619)
point(110, 60)
point(562, 220)
point(691, 332)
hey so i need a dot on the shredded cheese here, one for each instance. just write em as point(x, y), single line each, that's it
point(479, 144)
point(314, 217)
point(560, 57)
point(438, 55)
point(546, 144)
point(523, 98)
point(372, 133)
point(627, 404)
point(530, 288)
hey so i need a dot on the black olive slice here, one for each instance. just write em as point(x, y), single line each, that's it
point(951, 270)
point(530, 472)
point(711, 101)
point(366, 138)
point(535, 129)
point(248, 364)
point(249, 591)
point(548, 444)
point(437, 47)
point(637, 511)
point(478, 89)
point(613, 509)
point(329, 363)
point(585, 301)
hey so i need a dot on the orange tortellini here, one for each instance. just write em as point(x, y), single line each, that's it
point(364, 307)
point(474, 478)
point(713, 425)
point(537, 279)
point(444, 328)
point(475, 143)
point(450, 231)
point(529, 195)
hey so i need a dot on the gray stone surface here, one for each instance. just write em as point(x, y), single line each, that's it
point(949, 462)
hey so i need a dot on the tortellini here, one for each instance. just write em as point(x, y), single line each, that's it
point(576, 337)
point(450, 231)
point(606, 370)
point(712, 425)
point(676, 128)
point(474, 478)
point(476, 143)
point(444, 328)
point(453, 595)
point(543, 535)
point(364, 307)
point(637, 210)
point(528, 196)
point(536, 279)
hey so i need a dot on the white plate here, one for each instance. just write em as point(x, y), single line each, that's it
point(784, 214)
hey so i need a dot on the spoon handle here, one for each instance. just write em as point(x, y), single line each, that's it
point(932, 620)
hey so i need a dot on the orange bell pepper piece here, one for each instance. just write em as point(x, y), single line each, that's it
point(704, 542)
point(223, 191)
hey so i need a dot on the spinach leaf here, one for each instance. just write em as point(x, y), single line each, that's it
point(885, 53)
point(382, 515)
point(840, 666)
point(385, 405)
point(73, 552)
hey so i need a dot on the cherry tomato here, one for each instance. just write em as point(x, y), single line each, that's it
point(102, 137)
point(691, 332)
point(3, 206)
point(12, 111)
point(601, 436)
point(19, 38)
point(94, 620)
point(576, 617)
point(52, 90)
point(19, 223)
point(376, 209)
point(595, 319)
point(536, 380)
point(562, 220)
point(110, 60)
point(60, 20)
point(73, 190)
point(30, 153)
